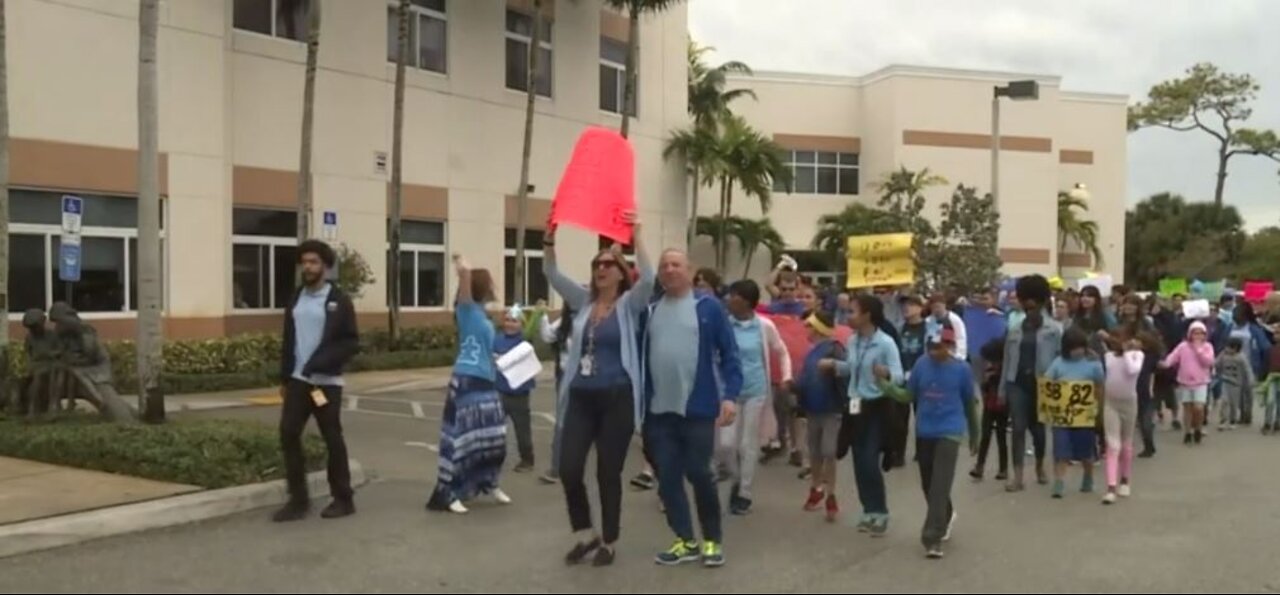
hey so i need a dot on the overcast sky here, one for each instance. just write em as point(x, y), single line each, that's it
point(1094, 45)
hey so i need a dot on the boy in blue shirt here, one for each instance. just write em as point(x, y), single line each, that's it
point(515, 399)
point(942, 389)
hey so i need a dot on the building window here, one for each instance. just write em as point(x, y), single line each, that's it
point(422, 270)
point(822, 172)
point(263, 258)
point(108, 247)
point(536, 287)
point(428, 35)
point(277, 18)
point(613, 76)
point(519, 38)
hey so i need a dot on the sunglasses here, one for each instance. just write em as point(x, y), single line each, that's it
point(605, 263)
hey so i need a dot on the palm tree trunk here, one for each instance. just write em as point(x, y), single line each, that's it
point(522, 194)
point(397, 176)
point(4, 212)
point(746, 270)
point(693, 215)
point(629, 88)
point(721, 260)
point(150, 326)
point(308, 122)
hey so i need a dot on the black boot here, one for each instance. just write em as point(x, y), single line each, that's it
point(295, 510)
point(340, 507)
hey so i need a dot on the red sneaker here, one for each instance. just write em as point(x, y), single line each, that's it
point(814, 501)
point(833, 508)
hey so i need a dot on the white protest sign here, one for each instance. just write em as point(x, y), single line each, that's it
point(1195, 309)
point(1102, 282)
point(519, 365)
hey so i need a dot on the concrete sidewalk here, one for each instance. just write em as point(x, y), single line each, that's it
point(362, 383)
point(31, 490)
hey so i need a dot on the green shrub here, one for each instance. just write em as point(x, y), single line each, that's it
point(206, 453)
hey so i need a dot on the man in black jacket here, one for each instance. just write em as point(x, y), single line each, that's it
point(320, 338)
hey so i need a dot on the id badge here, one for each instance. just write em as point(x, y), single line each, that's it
point(317, 397)
point(855, 406)
point(587, 366)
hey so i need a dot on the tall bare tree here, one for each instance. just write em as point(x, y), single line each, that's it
point(4, 211)
point(308, 120)
point(397, 174)
point(634, 9)
point(522, 193)
point(150, 324)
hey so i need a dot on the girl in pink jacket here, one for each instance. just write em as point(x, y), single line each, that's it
point(1194, 359)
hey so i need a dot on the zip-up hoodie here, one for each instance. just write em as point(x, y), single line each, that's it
point(1194, 363)
point(719, 372)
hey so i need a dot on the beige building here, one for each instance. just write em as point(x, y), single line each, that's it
point(844, 134)
point(231, 82)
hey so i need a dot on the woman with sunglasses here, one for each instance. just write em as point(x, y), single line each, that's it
point(600, 393)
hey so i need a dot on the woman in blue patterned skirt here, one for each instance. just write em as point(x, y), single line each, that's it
point(473, 433)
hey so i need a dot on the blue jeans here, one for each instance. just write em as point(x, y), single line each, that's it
point(869, 431)
point(1273, 408)
point(682, 448)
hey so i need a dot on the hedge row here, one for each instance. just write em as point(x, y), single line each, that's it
point(206, 453)
point(252, 361)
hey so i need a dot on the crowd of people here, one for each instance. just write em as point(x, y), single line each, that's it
point(716, 381)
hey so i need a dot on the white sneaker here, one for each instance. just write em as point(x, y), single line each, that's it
point(1125, 491)
point(500, 496)
point(456, 507)
point(1110, 498)
point(951, 523)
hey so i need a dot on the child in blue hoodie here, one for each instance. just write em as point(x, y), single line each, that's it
point(1076, 364)
point(823, 397)
point(515, 400)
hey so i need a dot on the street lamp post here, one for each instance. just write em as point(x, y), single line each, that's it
point(1017, 91)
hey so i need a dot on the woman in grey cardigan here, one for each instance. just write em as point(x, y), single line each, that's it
point(600, 393)
point(1029, 349)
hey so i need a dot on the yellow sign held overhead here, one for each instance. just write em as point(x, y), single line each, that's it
point(884, 259)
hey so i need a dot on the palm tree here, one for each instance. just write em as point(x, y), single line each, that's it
point(755, 234)
point(696, 147)
point(634, 9)
point(745, 158)
point(397, 174)
point(4, 209)
point(150, 326)
point(856, 219)
point(721, 230)
point(708, 99)
point(902, 191)
point(1071, 227)
point(522, 193)
point(308, 121)
point(709, 106)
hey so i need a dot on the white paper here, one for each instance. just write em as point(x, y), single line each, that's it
point(520, 364)
point(1102, 282)
point(1195, 309)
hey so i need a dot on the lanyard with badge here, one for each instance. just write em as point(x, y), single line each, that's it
point(587, 367)
point(861, 347)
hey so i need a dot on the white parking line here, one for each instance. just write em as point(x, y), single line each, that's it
point(547, 416)
point(353, 402)
point(417, 410)
point(430, 447)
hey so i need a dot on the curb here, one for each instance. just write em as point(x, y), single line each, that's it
point(42, 534)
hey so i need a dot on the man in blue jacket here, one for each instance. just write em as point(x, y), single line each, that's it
point(694, 381)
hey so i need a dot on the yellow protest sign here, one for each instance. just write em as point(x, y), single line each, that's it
point(884, 259)
point(1068, 403)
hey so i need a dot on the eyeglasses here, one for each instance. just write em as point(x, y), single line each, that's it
point(604, 263)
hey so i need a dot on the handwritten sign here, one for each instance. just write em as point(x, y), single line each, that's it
point(880, 260)
point(1068, 403)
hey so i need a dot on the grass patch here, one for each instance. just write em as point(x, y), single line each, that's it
point(207, 453)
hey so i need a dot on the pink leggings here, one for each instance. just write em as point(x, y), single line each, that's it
point(1120, 419)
